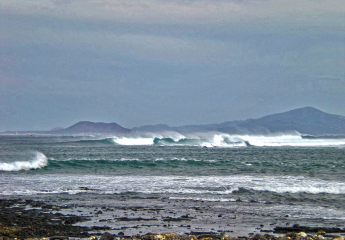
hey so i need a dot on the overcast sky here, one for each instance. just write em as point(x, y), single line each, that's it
point(138, 62)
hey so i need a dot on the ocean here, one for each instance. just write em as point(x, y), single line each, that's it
point(285, 174)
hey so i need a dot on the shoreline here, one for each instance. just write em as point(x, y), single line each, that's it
point(83, 216)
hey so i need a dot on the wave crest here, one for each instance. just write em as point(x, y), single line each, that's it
point(218, 139)
point(39, 161)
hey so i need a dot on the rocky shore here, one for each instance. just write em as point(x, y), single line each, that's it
point(33, 219)
point(321, 235)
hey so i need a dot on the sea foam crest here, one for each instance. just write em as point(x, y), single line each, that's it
point(133, 141)
point(217, 139)
point(39, 161)
point(293, 140)
point(208, 140)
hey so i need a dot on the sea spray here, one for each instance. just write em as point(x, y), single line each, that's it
point(133, 141)
point(212, 139)
point(217, 139)
point(39, 161)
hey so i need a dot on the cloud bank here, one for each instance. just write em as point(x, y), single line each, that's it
point(177, 62)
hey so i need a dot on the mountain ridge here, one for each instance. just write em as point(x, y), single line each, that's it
point(94, 127)
point(306, 120)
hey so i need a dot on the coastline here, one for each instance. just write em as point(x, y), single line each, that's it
point(84, 216)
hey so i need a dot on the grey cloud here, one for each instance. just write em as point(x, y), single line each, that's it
point(174, 62)
point(271, 12)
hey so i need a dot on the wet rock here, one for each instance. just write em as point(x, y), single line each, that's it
point(172, 236)
point(107, 236)
point(58, 238)
point(321, 232)
point(284, 238)
point(192, 237)
point(182, 218)
point(298, 228)
point(208, 236)
point(292, 235)
point(92, 238)
point(225, 237)
point(160, 236)
point(259, 237)
point(125, 219)
point(184, 237)
point(301, 235)
point(148, 236)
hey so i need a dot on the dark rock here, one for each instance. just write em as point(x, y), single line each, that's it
point(37, 223)
point(107, 236)
point(125, 219)
point(148, 236)
point(58, 238)
point(259, 237)
point(298, 228)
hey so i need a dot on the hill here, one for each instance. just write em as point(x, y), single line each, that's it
point(307, 120)
point(92, 127)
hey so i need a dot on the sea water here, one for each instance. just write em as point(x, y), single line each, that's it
point(304, 173)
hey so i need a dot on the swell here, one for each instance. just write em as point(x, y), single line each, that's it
point(95, 141)
point(195, 166)
point(132, 163)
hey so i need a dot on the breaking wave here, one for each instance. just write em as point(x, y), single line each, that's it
point(216, 139)
point(39, 161)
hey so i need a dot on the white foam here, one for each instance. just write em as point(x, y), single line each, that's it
point(218, 139)
point(199, 186)
point(38, 162)
point(133, 141)
point(294, 140)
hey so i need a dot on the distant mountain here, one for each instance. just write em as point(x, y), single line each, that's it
point(92, 127)
point(187, 128)
point(56, 129)
point(154, 128)
point(307, 120)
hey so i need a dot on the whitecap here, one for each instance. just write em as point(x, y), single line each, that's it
point(39, 161)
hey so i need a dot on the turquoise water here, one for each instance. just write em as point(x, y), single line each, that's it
point(278, 170)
